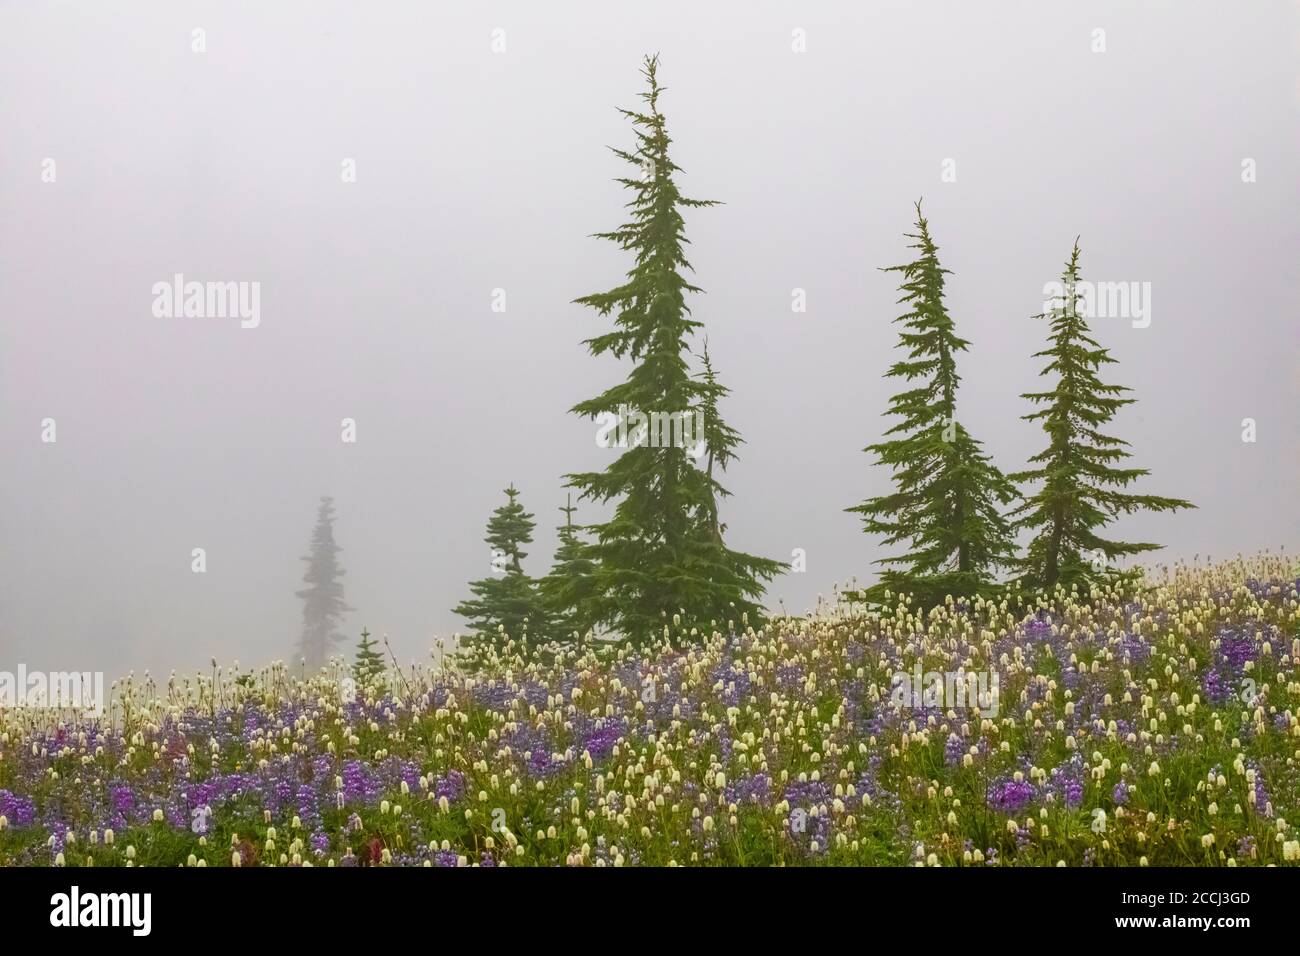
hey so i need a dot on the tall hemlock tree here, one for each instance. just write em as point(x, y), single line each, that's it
point(323, 605)
point(658, 555)
point(1081, 489)
point(508, 602)
point(945, 505)
point(567, 588)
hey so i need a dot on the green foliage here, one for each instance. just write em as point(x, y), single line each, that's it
point(507, 605)
point(720, 439)
point(945, 505)
point(661, 553)
point(368, 664)
point(1081, 489)
point(323, 605)
point(567, 589)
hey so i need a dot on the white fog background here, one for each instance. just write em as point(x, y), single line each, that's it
point(479, 170)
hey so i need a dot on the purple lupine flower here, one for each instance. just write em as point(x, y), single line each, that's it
point(1235, 650)
point(1217, 689)
point(1010, 796)
point(20, 810)
point(451, 786)
point(753, 789)
point(1066, 782)
point(122, 798)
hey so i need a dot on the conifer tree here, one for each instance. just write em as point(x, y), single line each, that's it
point(567, 588)
point(507, 604)
point(1081, 488)
point(945, 505)
point(323, 605)
point(658, 555)
point(368, 665)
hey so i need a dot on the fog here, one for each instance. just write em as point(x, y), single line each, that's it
point(128, 157)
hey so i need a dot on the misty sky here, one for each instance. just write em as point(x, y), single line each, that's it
point(479, 170)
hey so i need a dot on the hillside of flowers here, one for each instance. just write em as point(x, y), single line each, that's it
point(1151, 725)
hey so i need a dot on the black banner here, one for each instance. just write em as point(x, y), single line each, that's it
point(130, 905)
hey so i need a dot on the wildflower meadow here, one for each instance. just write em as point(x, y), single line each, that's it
point(1152, 722)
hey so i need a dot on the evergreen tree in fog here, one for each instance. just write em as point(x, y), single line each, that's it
point(947, 491)
point(568, 587)
point(323, 605)
point(661, 554)
point(1080, 488)
point(507, 606)
point(368, 664)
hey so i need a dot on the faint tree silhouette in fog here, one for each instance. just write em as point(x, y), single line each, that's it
point(323, 606)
